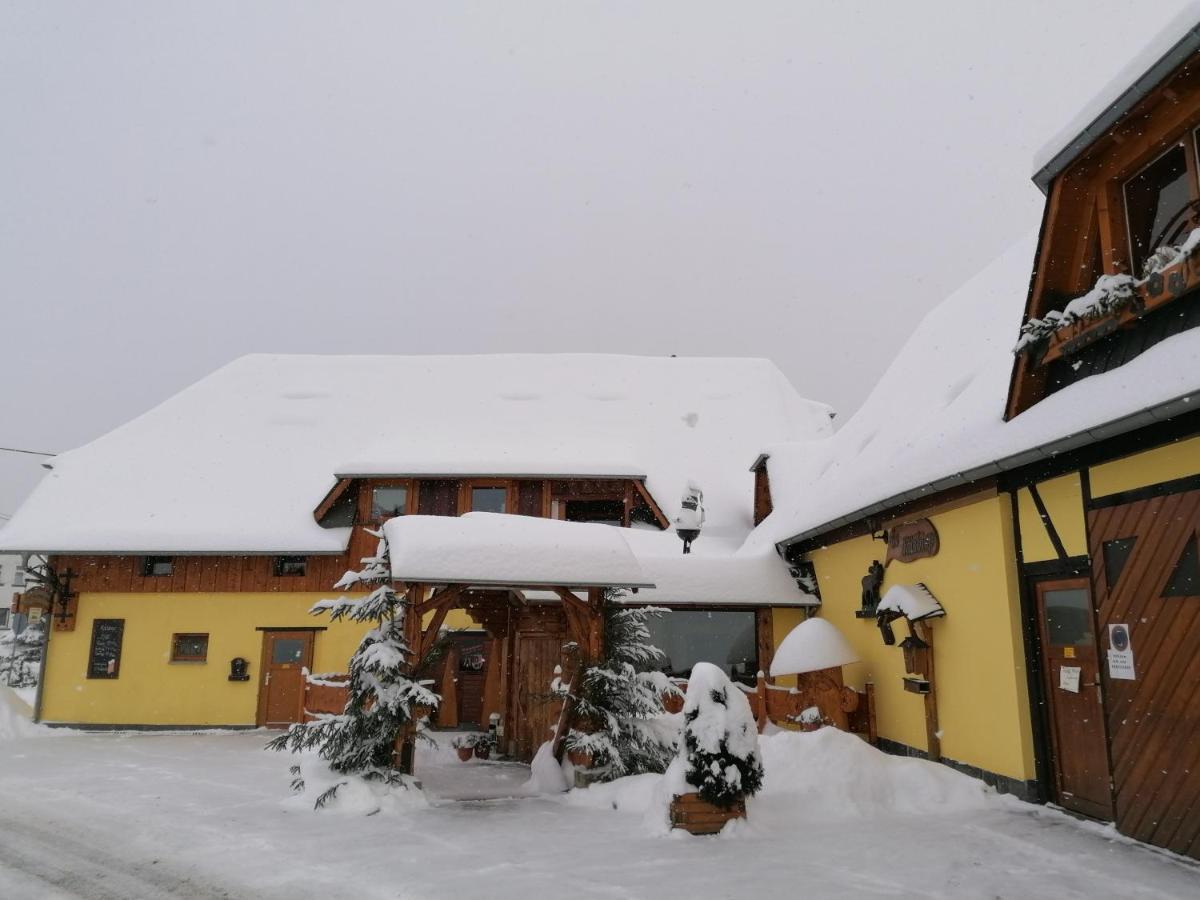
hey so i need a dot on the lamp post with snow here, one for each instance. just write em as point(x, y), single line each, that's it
point(691, 516)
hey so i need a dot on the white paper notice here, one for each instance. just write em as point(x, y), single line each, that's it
point(1068, 678)
point(1120, 653)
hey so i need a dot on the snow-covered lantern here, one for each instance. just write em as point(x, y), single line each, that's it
point(691, 516)
point(811, 646)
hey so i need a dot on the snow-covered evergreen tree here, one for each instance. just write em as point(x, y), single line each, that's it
point(382, 694)
point(618, 716)
point(720, 756)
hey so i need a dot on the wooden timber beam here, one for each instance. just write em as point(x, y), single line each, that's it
point(335, 494)
point(440, 598)
point(661, 517)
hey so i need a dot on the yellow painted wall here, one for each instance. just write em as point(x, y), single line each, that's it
point(1064, 502)
point(983, 702)
point(152, 690)
point(1166, 463)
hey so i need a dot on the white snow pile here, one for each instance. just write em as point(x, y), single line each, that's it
point(355, 795)
point(547, 775)
point(14, 720)
point(812, 777)
point(913, 601)
point(812, 645)
point(498, 548)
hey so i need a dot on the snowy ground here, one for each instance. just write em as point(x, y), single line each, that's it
point(146, 815)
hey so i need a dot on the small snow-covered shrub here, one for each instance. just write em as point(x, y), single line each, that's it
point(720, 758)
point(382, 697)
point(619, 719)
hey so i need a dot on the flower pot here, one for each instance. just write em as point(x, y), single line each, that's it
point(483, 751)
point(464, 753)
point(581, 759)
point(696, 816)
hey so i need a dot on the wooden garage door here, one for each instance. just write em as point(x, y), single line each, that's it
point(1144, 565)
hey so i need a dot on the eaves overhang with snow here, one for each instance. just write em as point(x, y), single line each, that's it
point(1055, 449)
point(1142, 76)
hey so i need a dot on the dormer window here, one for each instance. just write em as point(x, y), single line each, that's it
point(388, 502)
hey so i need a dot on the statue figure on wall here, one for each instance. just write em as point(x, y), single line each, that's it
point(871, 584)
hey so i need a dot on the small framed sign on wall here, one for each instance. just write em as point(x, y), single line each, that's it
point(104, 660)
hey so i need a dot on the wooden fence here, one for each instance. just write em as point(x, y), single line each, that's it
point(819, 698)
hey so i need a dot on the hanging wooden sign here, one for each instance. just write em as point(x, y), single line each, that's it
point(912, 541)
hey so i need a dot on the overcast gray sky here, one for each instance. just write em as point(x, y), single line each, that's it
point(181, 184)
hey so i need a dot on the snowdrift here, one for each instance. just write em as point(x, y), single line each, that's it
point(813, 777)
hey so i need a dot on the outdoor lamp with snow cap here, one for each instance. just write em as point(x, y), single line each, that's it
point(691, 516)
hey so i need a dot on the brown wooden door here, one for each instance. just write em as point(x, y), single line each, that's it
point(1073, 691)
point(281, 688)
point(438, 497)
point(1145, 557)
point(472, 663)
point(536, 714)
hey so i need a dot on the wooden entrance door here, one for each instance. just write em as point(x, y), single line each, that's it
point(536, 715)
point(1145, 557)
point(281, 689)
point(1071, 665)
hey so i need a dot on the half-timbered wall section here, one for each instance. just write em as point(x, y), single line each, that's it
point(1134, 189)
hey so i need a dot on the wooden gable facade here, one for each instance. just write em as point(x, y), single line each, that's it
point(353, 501)
point(1134, 189)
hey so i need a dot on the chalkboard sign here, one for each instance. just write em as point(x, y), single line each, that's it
point(105, 659)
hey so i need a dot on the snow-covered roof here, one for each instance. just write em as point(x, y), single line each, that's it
point(935, 419)
point(1179, 39)
point(238, 461)
point(711, 574)
point(496, 549)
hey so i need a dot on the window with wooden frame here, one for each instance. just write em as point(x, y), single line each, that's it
point(485, 495)
point(290, 566)
point(158, 566)
point(189, 648)
point(388, 501)
point(1157, 201)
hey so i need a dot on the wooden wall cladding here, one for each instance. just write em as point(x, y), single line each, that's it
point(123, 574)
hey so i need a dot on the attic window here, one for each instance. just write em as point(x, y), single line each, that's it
point(388, 502)
point(489, 499)
point(606, 512)
point(1154, 199)
point(290, 566)
point(158, 566)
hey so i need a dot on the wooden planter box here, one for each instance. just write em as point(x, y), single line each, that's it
point(698, 816)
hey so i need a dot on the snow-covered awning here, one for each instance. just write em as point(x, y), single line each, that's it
point(913, 601)
point(501, 550)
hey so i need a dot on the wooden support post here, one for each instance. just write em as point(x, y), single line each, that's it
point(448, 708)
point(760, 693)
point(405, 748)
point(932, 740)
